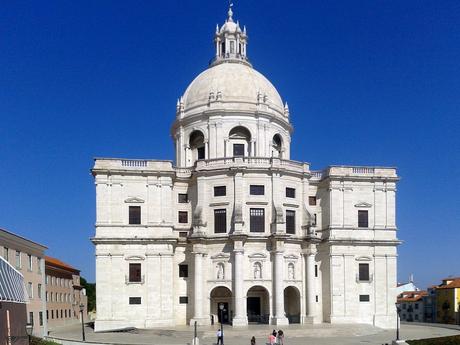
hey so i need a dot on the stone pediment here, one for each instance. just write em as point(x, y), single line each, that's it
point(220, 256)
point(134, 258)
point(257, 256)
point(134, 200)
point(363, 204)
point(291, 257)
point(363, 258)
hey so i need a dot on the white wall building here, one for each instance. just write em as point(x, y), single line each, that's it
point(235, 221)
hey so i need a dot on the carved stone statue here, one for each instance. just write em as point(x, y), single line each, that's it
point(257, 271)
point(220, 271)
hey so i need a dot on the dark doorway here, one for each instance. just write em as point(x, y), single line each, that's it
point(224, 314)
point(253, 307)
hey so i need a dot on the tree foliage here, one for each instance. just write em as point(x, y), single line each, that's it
point(90, 293)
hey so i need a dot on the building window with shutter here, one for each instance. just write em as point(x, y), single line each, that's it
point(363, 219)
point(183, 271)
point(364, 272)
point(183, 217)
point(290, 192)
point(257, 219)
point(220, 191)
point(290, 222)
point(134, 214)
point(312, 200)
point(135, 273)
point(220, 221)
point(257, 189)
point(182, 198)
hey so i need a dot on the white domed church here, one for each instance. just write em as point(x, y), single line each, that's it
point(234, 230)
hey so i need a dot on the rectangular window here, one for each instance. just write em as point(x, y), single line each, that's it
point(29, 262)
point(52, 314)
point(182, 198)
point(257, 219)
point(134, 214)
point(316, 270)
point(363, 219)
point(364, 298)
point(183, 234)
point(220, 191)
point(183, 217)
point(39, 291)
point(416, 316)
point(40, 318)
point(39, 265)
point(47, 296)
point(183, 271)
point(257, 189)
point(220, 221)
point(416, 305)
point(312, 200)
point(30, 290)
point(31, 317)
point(65, 313)
point(18, 259)
point(290, 192)
point(317, 298)
point(183, 299)
point(5, 253)
point(62, 314)
point(364, 272)
point(290, 222)
point(134, 300)
point(135, 273)
point(238, 150)
point(201, 152)
point(315, 218)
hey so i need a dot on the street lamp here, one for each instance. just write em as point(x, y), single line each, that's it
point(221, 307)
point(82, 308)
point(29, 330)
point(398, 311)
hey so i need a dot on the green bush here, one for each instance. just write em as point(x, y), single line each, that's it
point(40, 341)
point(454, 340)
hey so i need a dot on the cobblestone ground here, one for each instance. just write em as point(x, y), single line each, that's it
point(294, 334)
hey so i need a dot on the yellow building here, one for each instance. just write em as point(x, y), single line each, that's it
point(448, 301)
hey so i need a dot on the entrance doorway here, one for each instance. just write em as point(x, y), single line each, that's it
point(257, 305)
point(223, 315)
point(292, 304)
point(221, 296)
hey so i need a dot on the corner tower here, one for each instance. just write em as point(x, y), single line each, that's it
point(230, 109)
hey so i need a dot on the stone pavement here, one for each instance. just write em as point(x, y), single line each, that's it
point(321, 334)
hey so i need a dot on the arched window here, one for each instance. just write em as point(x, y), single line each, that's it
point(277, 146)
point(240, 137)
point(197, 146)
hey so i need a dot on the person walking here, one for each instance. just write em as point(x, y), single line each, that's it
point(253, 340)
point(219, 337)
point(280, 337)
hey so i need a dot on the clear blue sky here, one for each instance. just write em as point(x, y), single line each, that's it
point(367, 82)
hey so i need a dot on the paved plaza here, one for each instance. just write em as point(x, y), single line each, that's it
point(295, 335)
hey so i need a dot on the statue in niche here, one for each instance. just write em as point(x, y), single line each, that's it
point(291, 271)
point(257, 270)
point(220, 271)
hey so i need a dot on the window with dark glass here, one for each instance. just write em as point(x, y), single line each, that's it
point(31, 317)
point(220, 221)
point(183, 271)
point(135, 273)
point(257, 189)
point(183, 217)
point(312, 200)
point(364, 272)
point(238, 149)
point(40, 318)
point(363, 219)
point(182, 198)
point(134, 300)
point(183, 299)
point(257, 219)
point(134, 214)
point(316, 270)
point(314, 219)
point(201, 152)
point(290, 192)
point(364, 298)
point(220, 191)
point(290, 222)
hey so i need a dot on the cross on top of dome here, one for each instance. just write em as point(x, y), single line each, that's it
point(230, 42)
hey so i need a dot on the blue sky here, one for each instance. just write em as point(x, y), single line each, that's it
point(367, 82)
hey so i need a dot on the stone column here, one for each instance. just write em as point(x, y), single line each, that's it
point(279, 317)
point(240, 318)
point(198, 291)
point(311, 286)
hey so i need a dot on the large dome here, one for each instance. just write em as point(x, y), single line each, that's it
point(237, 85)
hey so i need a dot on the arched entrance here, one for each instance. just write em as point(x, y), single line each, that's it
point(221, 295)
point(258, 305)
point(197, 146)
point(292, 304)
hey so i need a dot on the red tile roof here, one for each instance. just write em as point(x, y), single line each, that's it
point(454, 284)
point(58, 263)
point(411, 296)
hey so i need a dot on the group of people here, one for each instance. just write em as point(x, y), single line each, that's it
point(275, 338)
